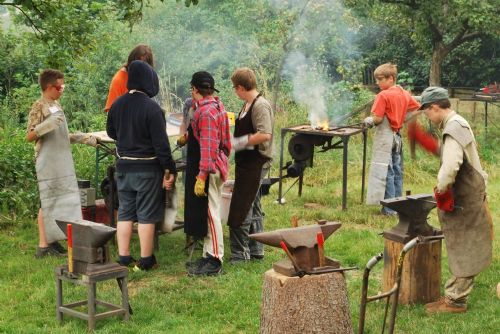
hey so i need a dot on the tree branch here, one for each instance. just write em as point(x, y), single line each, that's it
point(24, 14)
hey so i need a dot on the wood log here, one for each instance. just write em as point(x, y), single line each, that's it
point(311, 304)
point(498, 290)
point(421, 278)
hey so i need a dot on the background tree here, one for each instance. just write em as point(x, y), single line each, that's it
point(437, 28)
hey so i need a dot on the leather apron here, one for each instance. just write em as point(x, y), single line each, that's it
point(55, 170)
point(467, 232)
point(195, 208)
point(247, 172)
point(381, 158)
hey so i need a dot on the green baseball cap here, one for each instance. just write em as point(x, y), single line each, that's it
point(433, 94)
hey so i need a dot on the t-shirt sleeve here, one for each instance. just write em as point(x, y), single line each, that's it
point(412, 103)
point(379, 106)
point(262, 118)
point(117, 88)
point(36, 116)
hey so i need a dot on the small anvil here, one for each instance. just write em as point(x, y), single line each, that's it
point(90, 251)
point(303, 247)
point(413, 211)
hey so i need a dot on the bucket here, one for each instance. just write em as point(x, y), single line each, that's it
point(227, 193)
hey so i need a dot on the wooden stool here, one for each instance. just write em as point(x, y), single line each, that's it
point(99, 273)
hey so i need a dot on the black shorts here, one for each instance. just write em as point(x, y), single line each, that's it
point(141, 197)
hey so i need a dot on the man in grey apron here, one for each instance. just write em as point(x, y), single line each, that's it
point(252, 142)
point(388, 113)
point(461, 199)
point(59, 194)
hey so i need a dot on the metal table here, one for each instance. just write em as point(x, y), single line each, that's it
point(343, 133)
point(486, 99)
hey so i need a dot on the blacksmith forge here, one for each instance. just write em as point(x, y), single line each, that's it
point(421, 279)
point(301, 147)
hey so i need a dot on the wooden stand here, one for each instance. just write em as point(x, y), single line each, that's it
point(421, 278)
point(311, 304)
point(113, 271)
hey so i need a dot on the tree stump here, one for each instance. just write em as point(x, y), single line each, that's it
point(311, 304)
point(421, 277)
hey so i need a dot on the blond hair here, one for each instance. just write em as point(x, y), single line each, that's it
point(386, 70)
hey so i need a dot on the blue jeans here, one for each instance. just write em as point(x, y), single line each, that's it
point(394, 182)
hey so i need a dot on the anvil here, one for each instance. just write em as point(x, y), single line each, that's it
point(412, 211)
point(89, 244)
point(303, 246)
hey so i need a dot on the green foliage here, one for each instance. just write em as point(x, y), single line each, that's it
point(18, 186)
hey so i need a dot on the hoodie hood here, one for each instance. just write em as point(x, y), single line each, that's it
point(141, 76)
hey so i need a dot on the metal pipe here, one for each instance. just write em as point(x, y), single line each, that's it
point(364, 290)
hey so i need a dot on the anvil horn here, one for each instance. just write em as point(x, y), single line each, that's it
point(87, 233)
point(296, 237)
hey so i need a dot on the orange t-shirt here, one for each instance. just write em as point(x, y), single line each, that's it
point(394, 102)
point(117, 88)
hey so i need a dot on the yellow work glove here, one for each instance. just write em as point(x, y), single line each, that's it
point(182, 140)
point(199, 187)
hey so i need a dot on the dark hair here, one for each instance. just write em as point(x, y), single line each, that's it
point(205, 91)
point(443, 104)
point(141, 52)
point(49, 76)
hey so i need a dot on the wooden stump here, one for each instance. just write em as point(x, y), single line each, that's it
point(421, 279)
point(311, 304)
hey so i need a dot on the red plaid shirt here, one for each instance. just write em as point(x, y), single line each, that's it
point(211, 128)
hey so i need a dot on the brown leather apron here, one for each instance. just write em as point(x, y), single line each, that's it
point(247, 172)
point(467, 232)
point(195, 208)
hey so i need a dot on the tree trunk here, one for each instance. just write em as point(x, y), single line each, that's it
point(311, 304)
point(438, 55)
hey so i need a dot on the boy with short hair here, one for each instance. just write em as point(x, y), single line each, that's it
point(388, 114)
point(461, 200)
point(252, 143)
point(59, 194)
point(208, 148)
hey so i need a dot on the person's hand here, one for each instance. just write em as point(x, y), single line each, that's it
point(182, 140)
point(444, 200)
point(239, 143)
point(48, 125)
point(169, 181)
point(369, 122)
point(199, 187)
point(91, 141)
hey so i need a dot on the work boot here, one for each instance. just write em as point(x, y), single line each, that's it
point(146, 263)
point(209, 266)
point(47, 251)
point(442, 306)
point(58, 248)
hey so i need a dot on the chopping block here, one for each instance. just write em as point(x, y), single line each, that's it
point(421, 277)
point(305, 293)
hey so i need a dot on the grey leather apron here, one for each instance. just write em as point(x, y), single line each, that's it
point(59, 194)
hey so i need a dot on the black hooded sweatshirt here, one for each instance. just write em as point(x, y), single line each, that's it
point(137, 123)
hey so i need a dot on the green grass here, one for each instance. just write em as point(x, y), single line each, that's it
point(167, 301)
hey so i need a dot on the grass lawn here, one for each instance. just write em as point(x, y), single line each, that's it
point(167, 301)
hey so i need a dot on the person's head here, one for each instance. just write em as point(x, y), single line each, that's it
point(435, 103)
point(386, 75)
point(141, 52)
point(202, 84)
point(142, 77)
point(52, 83)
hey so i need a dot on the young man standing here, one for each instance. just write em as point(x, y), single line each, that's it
point(208, 148)
point(388, 113)
point(137, 123)
point(252, 142)
point(55, 171)
point(461, 200)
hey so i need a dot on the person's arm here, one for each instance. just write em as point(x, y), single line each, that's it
point(377, 112)
point(452, 157)
point(110, 126)
point(209, 144)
